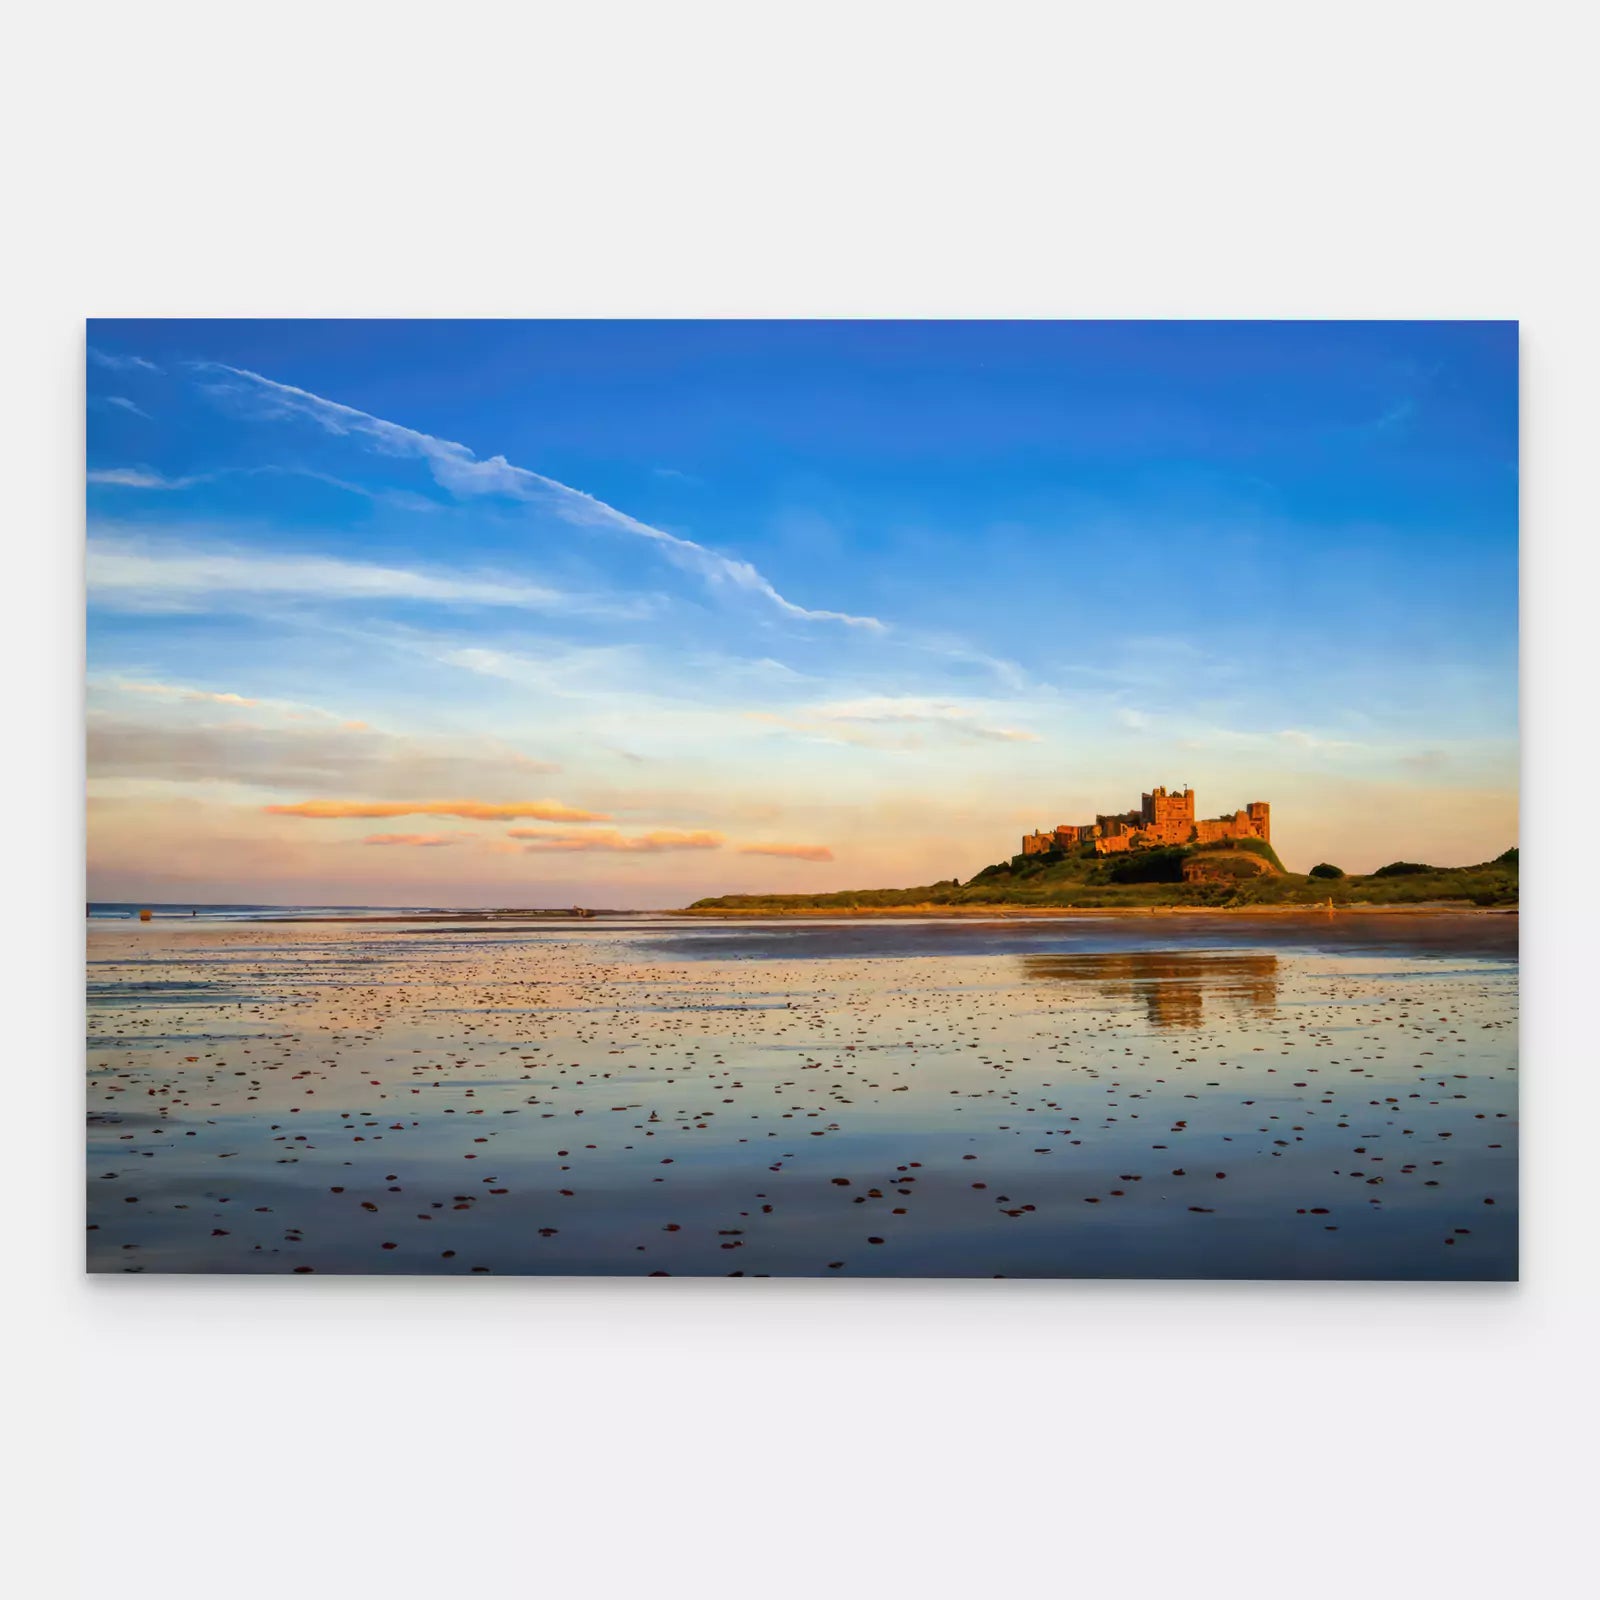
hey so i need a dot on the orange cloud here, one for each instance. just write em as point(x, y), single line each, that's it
point(474, 810)
point(610, 839)
point(412, 838)
point(797, 852)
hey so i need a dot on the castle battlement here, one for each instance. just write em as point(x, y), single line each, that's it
point(1163, 817)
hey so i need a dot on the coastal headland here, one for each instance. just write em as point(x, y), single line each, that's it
point(1157, 857)
point(1244, 875)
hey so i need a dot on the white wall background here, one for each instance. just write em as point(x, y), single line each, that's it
point(352, 1439)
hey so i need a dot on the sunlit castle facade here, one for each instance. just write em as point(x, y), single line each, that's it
point(1164, 817)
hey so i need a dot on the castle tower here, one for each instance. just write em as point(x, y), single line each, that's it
point(1168, 817)
point(1260, 814)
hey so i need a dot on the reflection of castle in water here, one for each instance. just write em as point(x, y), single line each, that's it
point(1173, 984)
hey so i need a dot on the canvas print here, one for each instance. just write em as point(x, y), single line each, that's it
point(802, 799)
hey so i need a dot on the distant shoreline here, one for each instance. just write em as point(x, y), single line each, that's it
point(968, 912)
point(496, 918)
point(962, 913)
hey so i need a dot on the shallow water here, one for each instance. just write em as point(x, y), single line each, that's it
point(1079, 1097)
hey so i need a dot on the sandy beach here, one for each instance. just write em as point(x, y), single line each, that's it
point(1229, 1098)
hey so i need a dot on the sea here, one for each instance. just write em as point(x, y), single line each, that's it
point(1151, 1096)
point(228, 911)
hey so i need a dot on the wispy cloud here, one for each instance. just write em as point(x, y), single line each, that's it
point(1314, 741)
point(565, 670)
point(400, 499)
point(122, 402)
point(608, 839)
point(1424, 763)
point(950, 717)
point(475, 810)
point(290, 710)
point(149, 478)
point(1397, 415)
point(171, 574)
point(287, 746)
point(962, 654)
point(1237, 738)
point(116, 363)
point(906, 708)
point(174, 691)
point(457, 469)
point(795, 852)
point(143, 478)
point(422, 841)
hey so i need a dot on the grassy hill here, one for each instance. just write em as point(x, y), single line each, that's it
point(1237, 873)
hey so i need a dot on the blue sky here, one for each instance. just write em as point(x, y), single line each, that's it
point(751, 605)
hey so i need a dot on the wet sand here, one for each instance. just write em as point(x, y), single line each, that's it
point(1088, 1097)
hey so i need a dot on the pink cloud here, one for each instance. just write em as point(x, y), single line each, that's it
point(796, 852)
point(423, 839)
point(543, 840)
point(474, 810)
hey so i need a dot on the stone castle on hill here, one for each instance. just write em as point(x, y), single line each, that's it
point(1162, 818)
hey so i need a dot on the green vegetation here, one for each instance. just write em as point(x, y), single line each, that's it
point(1079, 878)
point(1163, 865)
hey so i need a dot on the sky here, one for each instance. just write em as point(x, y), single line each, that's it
point(626, 613)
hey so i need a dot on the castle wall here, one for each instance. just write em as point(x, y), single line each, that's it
point(1109, 823)
point(1254, 822)
point(1163, 818)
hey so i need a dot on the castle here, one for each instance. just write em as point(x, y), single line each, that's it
point(1162, 818)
